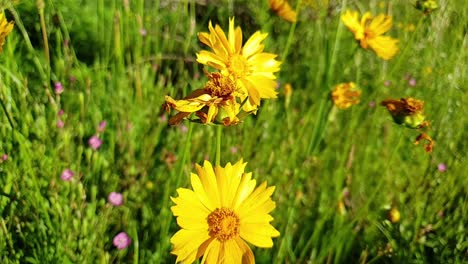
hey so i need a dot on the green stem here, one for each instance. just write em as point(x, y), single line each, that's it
point(325, 106)
point(10, 120)
point(407, 47)
point(185, 152)
point(292, 29)
point(219, 131)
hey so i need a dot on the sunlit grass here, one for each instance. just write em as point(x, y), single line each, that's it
point(338, 173)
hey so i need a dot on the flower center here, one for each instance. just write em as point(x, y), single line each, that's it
point(238, 66)
point(223, 224)
point(219, 85)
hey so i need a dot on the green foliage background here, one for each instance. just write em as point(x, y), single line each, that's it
point(111, 71)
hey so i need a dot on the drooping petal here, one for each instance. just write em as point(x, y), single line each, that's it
point(247, 256)
point(385, 47)
point(186, 244)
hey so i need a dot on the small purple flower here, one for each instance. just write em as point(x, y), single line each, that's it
point(67, 175)
point(143, 32)
point(371, 104)
point(442, 167)
point(122, 240)
point(115, 198)
point(233, 150)
point(60, 112)
point(4, 157)
point(60, 123)
point(162, 118)
point(387, 83)
point(58, 88)
point(412, 82)
point(102, 126)
point(183, 128)
point(94, 142)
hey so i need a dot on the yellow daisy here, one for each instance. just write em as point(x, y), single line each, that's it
point(344, 95)
point(5, 28)
point(369, 32)
point(407, 111)
point(283, 10)
point(223, 210)
point(248, 64)
point(218, 94)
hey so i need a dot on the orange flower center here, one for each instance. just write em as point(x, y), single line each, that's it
point(223, 224)
point(219, 85)
point(238, 66)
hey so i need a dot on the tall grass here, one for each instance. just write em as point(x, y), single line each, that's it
point(338, 172)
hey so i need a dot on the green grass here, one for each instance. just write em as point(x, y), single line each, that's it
point(315, 157)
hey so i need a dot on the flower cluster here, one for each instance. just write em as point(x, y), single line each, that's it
point(224, 209)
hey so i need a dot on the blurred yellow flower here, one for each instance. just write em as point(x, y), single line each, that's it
point(369, 32)
point(283, 10)
point(394, 215)
point(407, 111)
point(344, 95)
point(5, 28)
point(427, 6)
point(252, 68)
point(223, 210)
point(288, 90)
point(218, 94)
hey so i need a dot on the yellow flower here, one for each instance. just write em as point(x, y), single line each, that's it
point(252, 68)
point(427, 6)
point(5, 28)
point(283, 10)
point(369, 32)
point(394, 215)
point(218, 94)
point(407, 111)
point(223, 210)
point(344, 95)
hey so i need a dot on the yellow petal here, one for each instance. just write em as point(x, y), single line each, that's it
point(208, 179)
point(186, 244)
point(264, 64)
point(380, 24)
point(212, 252)
point(186, 202)
point(201, 194)
point(385, 47)
point(253, 46)
point(259, 234)
point(246, 187)
point(231, 253)
point(264, 86)
point(211, 59)
point(247, 256)
point(188, 106)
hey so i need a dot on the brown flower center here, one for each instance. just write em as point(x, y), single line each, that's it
point(219, 85)
point(238, 66)
point(223, 224)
